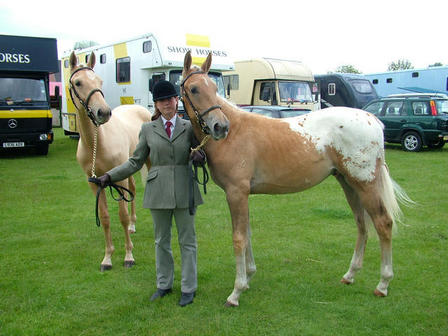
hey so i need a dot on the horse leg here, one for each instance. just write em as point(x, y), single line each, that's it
point(103, 212)
point(383, 223)
point(251, 268)
point(132, 188)
point(125, 222)
point(239, 210)
point(361, 241)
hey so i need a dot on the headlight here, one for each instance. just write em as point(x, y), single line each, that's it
point(43, 137)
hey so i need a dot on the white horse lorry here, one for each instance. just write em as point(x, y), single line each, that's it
point(25, 114)
point(129, 69)
point(268, 81)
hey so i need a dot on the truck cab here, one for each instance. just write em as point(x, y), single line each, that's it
point(269, 81)
point(25, 114)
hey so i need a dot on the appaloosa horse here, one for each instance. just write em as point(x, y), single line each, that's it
point(252, 154)
point(116, 135)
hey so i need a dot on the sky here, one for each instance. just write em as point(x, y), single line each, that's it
point(324, 34)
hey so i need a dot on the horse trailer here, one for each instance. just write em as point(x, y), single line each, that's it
point(343, 89)
point(25, 113)
point(430, 80)
point(130, 68)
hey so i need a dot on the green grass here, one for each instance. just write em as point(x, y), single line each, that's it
point(50, 252)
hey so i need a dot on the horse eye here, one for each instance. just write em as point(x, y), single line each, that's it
point(78, 83)
point(194, 90)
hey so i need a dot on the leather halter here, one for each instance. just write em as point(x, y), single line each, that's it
point(86, 103)
point(199, 115)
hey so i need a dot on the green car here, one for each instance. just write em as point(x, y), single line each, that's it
point(414, 120)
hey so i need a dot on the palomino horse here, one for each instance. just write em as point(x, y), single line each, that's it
point(252, 154)
point(117, 138)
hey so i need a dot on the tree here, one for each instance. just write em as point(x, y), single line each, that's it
point(84, 44)
point(347, 69)
point(402, 64)
point(437, 64)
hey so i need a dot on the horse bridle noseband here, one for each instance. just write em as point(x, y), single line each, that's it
point(198, 114)
point(86, 103)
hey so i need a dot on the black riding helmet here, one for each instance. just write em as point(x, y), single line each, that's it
point(162, 90)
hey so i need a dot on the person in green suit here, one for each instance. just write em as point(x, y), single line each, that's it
point(167, 140)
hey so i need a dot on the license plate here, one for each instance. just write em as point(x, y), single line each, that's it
point(13, 144)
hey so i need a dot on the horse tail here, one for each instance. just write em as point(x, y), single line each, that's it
point(144, 172)
point(393, 195)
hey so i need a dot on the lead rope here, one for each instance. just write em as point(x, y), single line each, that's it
point(120, 189)
point(95, 139)
point(193, 169)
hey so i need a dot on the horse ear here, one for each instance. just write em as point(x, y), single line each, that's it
point(73, 60)
point(92, 60)
point(187, 63)
point(207, 63)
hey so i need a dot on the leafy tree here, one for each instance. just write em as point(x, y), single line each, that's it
point(347, 69)
point(402, 64)
point(437, 64)
point(84, 44)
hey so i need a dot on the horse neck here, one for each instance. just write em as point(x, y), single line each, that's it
point(86, 129)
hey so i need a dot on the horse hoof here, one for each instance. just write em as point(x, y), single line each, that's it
point(230, 304)
point(131, 228)
point(105, 268)
point(129, 263)
point(378, 293)
point(346, 282)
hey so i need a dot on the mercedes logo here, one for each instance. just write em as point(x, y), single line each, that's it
point(12, 123)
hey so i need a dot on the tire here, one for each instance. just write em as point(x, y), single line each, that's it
point(436, 145)
point(43, 149)
point(411, 142)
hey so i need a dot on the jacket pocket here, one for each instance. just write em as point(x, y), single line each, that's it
point(152, 175)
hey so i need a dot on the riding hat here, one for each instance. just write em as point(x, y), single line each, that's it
point(163, 90)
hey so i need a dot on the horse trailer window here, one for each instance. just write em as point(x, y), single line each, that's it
point(147, 46)
point(375, 81)
point(331, 89)
point(123, 70)
point(362, 85)
point(103, 58)
point(415, 74)
point(389, 80)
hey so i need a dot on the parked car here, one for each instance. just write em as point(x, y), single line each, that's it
point(275, 111)
point(414, 120)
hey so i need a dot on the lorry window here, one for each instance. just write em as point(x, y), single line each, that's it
point(103, 58)
point(123, 70)
point(295, 92)
point(17, 91)
point(147, 46)
point(231, 81)
point(361, 85)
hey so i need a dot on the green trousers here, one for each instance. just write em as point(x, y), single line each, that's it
point(163, 220)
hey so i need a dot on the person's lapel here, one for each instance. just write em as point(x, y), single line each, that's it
point(179, 128)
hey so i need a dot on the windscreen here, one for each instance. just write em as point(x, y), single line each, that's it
point(22, 91)
point(361, 85)
point(295, 92)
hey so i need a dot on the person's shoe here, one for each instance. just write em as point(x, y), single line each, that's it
point(186, 299)
point(160, 293)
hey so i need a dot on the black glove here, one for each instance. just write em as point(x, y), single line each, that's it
point(102, 181)
point(198, 157)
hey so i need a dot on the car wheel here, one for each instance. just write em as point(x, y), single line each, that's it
point(43, 149)
point(436, 145)
point(411, 142)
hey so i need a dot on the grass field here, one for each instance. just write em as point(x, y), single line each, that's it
point(50, 253)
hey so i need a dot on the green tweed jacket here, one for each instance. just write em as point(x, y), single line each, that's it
point(167, 185)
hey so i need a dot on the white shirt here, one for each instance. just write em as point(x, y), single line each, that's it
point(173, 123)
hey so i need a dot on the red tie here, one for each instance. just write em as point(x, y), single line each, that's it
point(168, 128)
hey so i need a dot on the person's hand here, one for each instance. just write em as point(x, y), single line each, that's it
point(198, 157)
point(104, 180)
